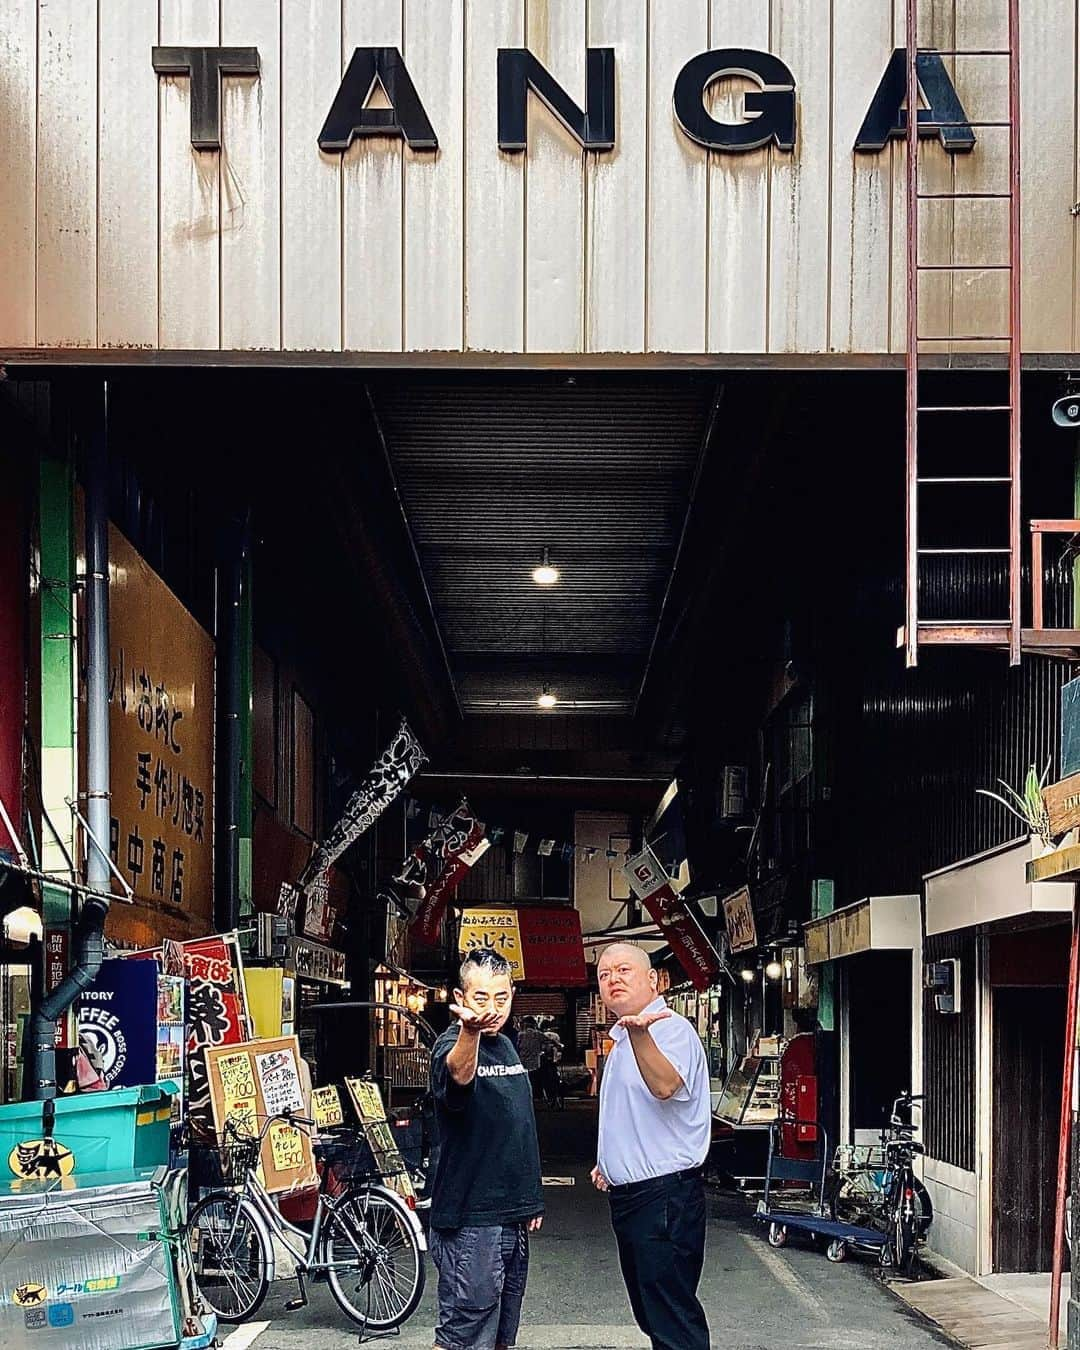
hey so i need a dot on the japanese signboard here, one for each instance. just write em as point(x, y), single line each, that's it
point(313, 961)
point(217, 1011)
point(494, 930)
point(367, 1102)
point(739, 921)
point(438, 864)
point(652, 886)
point(161, 754)
point(252, 1081)
point(542, 943)
point(1062, 802)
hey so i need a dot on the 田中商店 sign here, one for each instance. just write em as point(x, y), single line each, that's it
point(161, 753)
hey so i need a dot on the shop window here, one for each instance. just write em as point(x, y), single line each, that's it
point(303, 766)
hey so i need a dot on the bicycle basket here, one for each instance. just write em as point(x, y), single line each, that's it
point(225, 1163)
point(860, 1158)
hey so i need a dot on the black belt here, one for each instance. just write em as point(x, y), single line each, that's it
point(632, 1187)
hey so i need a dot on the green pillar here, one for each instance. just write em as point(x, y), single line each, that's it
point(59, 762)
point(246, 803)
point(823, 901)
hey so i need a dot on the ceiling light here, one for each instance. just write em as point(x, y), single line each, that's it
point(546, 574)
point(748, 975)
point(547, 699)
point(774, 970)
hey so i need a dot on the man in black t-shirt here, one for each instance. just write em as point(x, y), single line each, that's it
point(486, 1192)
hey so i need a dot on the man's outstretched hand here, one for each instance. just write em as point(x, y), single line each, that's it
point(473, 1021)
point(599, 1180)
point(642, 1021)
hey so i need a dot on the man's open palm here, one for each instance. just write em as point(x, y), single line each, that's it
point(642, 1021)
point(474, 1021)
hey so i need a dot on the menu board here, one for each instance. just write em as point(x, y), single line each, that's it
point(368, 1104)
point(252, 1081)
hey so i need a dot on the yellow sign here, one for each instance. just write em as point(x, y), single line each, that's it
point(237, 1080)
point(29, 1295)
point(286, 1147)
point(367, 1099)
point(326, 1107)
point(493, 930)
point(40, 1160)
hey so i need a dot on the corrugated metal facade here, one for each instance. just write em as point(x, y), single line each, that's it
point(949, 1060)
point(116, 234)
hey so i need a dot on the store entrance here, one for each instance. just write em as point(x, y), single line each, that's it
point(1027, 1100)
point(878, 1016)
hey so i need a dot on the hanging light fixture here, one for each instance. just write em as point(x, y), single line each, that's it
point(748, 975)
point(546, 574)
point(774, 970)
point(547, 699)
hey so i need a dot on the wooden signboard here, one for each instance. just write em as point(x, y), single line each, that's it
point(368, 1104)
point(1062, 802)
point(739, 921)
point(256, 1079)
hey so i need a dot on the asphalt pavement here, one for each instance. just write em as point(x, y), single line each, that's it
point(756, 1298)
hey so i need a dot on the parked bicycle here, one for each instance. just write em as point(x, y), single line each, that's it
point(876, 1186)
point(366, 1239)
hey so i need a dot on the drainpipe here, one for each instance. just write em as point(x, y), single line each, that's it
point(90, 932)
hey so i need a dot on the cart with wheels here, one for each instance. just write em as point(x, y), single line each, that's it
point(814, 1220)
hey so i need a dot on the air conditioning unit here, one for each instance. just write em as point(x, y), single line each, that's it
point(943, 977)
point(735, 783)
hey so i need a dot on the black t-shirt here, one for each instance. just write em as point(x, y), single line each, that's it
point(488, 1167)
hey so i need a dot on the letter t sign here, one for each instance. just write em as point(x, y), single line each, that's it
point(206, 66)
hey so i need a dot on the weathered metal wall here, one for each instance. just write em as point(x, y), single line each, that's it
point(949, 1060)
point(115, 233)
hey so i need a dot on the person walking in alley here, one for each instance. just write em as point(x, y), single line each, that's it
point(654, 1136)
point(486, 1192)
point(530, 1048)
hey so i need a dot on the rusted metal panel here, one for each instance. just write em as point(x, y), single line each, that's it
point(949, 1061)
point(251, 181)
point(66, 166)
point(189, 208)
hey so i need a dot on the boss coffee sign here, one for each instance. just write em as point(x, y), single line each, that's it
point(769, 111)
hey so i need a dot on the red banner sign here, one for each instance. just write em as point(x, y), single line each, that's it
point(652, 886)
point(551, 948)
point(438, 865)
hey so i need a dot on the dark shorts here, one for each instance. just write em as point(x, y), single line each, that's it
point(482, 1274)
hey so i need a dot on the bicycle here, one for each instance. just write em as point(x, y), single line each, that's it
point(876, 1185)
point(367, 1241)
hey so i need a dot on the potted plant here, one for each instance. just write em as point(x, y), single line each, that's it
point(1027, 806)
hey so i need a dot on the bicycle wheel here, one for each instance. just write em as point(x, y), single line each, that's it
point(376, 1269)
point(903, 1241)
point(924, 1208)
point(230, 1254)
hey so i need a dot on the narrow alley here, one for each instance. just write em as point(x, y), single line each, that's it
point(756, 1298)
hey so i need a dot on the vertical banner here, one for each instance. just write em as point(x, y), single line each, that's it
point(652, 886)
point(217, 1015)
point(438, 865)
point(386, 779)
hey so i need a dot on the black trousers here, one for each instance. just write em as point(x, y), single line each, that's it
point(660, 1231)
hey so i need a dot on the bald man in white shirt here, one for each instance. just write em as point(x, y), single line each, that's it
point(654, 1136)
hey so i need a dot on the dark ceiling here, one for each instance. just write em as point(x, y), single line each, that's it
point(597, 470)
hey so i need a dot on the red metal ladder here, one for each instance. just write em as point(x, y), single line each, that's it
point(1003, 631)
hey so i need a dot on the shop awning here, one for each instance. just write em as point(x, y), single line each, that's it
point(878, 923)
point(988, 888)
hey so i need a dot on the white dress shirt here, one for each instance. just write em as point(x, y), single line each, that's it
point(640, 1135)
